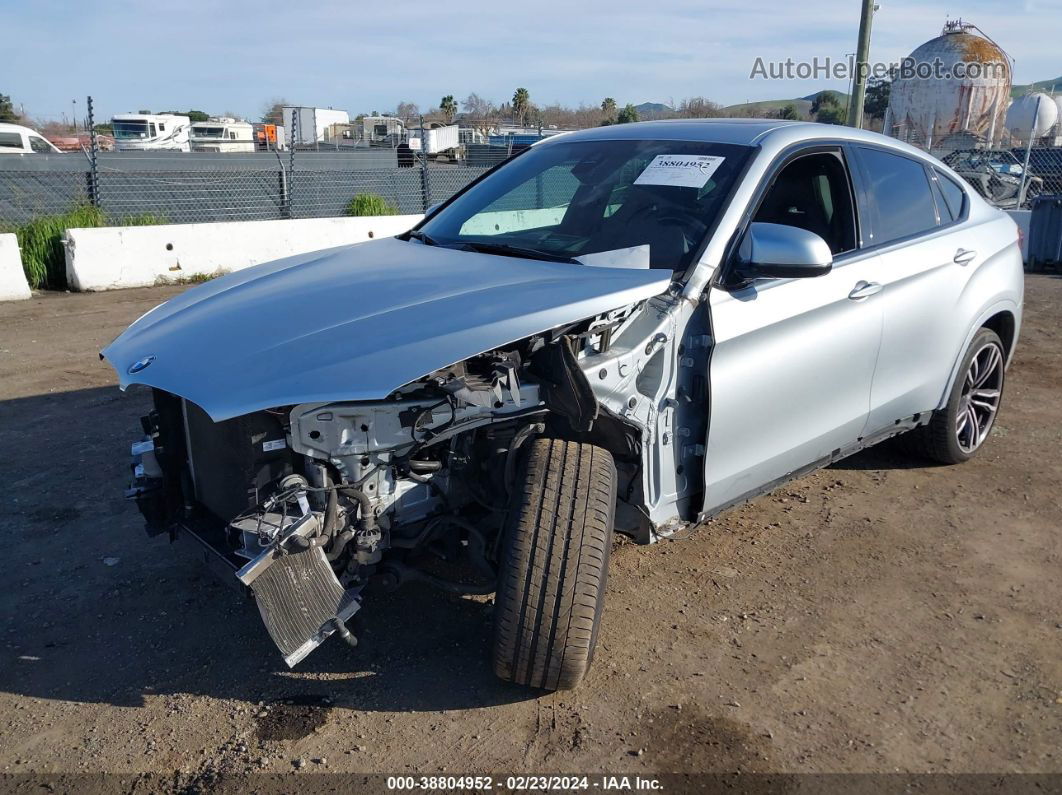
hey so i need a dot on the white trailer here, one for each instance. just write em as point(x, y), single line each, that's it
point(313, 124)
point(222, 135)
point(435, 140)
point(151, 132)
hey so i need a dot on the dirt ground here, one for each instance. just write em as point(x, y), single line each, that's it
point(877, 616)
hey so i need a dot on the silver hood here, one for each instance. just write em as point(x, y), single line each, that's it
point(355, 323)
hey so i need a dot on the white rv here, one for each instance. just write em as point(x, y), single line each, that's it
point(150, 132)
point(222, 135)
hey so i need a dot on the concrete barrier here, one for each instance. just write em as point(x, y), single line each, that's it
point(1023, 218)
point(111, 258)
point(13, 285)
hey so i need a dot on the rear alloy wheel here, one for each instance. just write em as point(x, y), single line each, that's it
point(551, 585)
point(958, 430)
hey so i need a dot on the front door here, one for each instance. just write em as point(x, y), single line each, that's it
point(793, 359)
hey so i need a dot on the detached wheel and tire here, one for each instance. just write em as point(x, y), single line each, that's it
point(957, 431)
point(551, 586)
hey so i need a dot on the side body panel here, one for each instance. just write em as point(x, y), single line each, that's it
point(790, 377)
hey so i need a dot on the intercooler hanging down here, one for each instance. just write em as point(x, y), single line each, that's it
point(298, 595)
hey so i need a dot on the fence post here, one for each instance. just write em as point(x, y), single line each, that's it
point(288, 185)
point(1028, 155)
point(94, 148)
point(425, 178)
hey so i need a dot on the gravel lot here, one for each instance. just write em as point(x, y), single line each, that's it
point(881, 615)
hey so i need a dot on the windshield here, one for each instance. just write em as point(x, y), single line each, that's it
point(131, 129)
point(207, 131)
point(612, 203)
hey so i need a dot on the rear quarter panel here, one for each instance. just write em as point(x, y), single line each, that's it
point(996, 285)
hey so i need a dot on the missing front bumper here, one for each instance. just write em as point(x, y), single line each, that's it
point(298, 595)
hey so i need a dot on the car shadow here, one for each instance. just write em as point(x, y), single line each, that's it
point(885, 455)
point(97, 612)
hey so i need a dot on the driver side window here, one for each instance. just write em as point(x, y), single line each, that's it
point(813, 193)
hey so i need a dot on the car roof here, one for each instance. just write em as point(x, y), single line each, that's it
point(748, 132)
point(7, 127)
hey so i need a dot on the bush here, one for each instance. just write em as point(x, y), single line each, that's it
point(40, 241)
point(365, 204)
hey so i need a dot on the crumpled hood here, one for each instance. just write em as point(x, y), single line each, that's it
point(355, 323)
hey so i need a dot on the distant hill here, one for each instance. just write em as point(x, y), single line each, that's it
point(649, 108)
point(1043, 85)
point(841, 95)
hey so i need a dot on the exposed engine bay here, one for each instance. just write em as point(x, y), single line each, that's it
point(313, 504)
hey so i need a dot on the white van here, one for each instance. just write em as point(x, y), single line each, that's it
point(18, 140)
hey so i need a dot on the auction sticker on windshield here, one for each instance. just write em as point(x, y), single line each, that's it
point(682, 171)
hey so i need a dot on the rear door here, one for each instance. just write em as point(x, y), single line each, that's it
point(793, 359)
point(928, 250)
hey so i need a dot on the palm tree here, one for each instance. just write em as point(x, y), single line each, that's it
point(448, 107)
point(608, 109)
point(521, 105)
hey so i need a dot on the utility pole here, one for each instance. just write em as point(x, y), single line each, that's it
point(859, 84)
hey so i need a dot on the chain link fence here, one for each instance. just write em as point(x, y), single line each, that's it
point(1009, 174)
point(177, 187)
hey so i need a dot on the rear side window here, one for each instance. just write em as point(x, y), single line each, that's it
point(902, 194)
point(954, 198)
point(10, 140)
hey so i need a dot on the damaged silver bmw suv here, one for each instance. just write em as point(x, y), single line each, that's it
point(625, 329)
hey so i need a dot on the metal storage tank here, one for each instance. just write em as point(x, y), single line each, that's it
point(954, 111)
point(1033, 116)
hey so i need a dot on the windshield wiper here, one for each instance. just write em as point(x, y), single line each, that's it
point(506, 250)
point(423, 237)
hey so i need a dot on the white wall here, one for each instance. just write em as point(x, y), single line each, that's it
point(13, 286)
point(140, 256)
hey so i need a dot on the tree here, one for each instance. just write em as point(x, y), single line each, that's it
point(825, 99)
point(195, 115)
point(7, 110)
point(477, 108)
point(273, 112)
point(831, 114)
point(608, 110)
point(406, 111)
point(627, 115)
point(789, 112)
point(699, 108)
point(879, 89)
point(521, 105)
point(826, 108)
point(448, 107)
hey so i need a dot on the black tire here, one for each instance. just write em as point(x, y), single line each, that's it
point(551, 585)
point(938, 440)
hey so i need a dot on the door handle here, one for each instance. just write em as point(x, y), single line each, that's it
point(864, 290)
point(964, 257)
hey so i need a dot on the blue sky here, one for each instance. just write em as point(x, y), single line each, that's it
point(230, 55)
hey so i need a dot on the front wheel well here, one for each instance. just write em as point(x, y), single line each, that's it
point(1003, 324)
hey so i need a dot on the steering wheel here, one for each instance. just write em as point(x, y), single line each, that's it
point(691, 227)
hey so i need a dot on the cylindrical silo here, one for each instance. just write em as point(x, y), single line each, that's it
point(952, 92)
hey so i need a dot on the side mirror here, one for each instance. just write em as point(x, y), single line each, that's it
point(431, 210)
point(776, 251)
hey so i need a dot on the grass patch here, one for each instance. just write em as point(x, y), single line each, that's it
point(40, 241)
point(366, 204)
